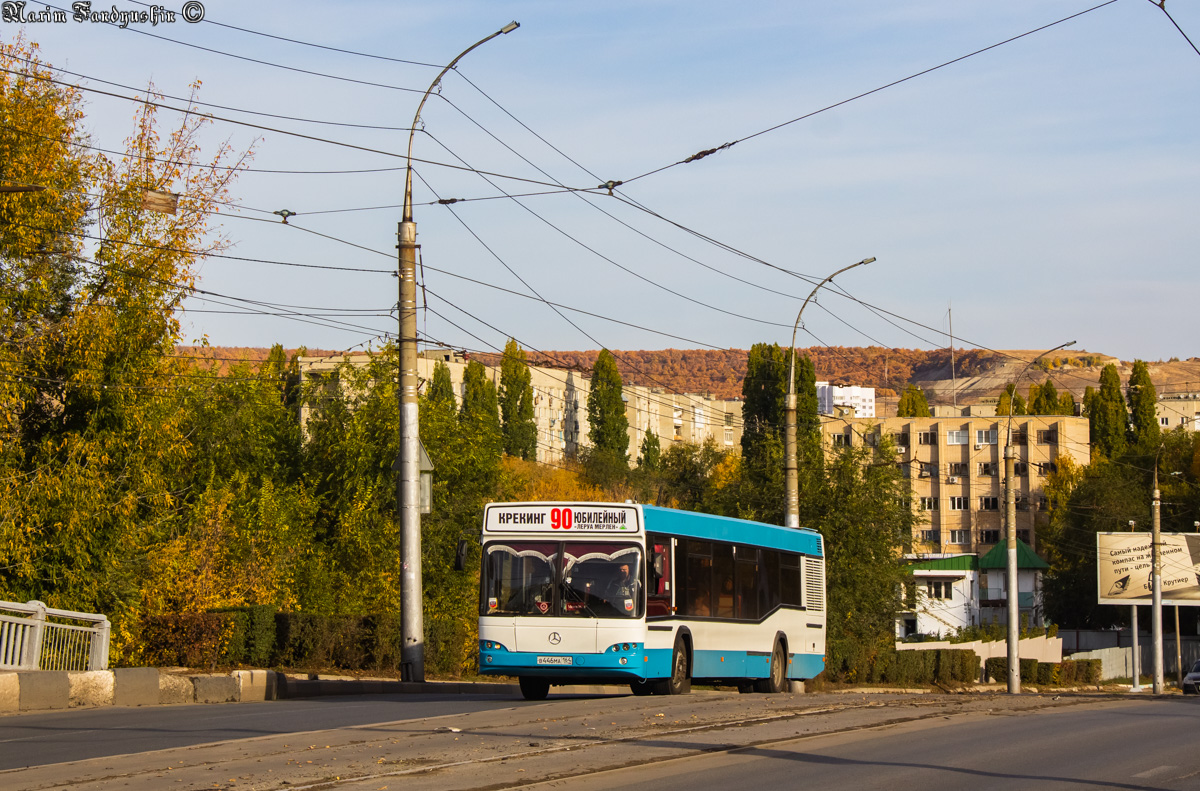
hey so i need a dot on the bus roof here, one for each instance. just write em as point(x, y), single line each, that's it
point(691, 524)
point(592, 519)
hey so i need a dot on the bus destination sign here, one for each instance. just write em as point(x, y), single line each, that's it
point(561, 518)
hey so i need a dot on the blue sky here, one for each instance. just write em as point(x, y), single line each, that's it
point(1047, 189)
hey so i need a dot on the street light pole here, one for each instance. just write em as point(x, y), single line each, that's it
point(408, 483)
point(791, 474)
point(1156, 589)
point(1012, 599)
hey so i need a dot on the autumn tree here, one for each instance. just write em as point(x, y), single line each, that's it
point(1107, 417)
point(912, 403)
point(608, 425)
point(1011, 402)
point(1143, 400)
point(650, 453)
point(94, 451)
point(516, 403)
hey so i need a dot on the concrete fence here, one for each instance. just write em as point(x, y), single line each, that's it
point(36, 637)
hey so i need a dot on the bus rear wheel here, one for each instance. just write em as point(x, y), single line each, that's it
point(534, 688)
point(777, 680)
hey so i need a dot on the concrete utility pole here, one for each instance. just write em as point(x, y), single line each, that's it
point(408, 483)
point(1012, 595)
point(1156, 588)
point(791, 472)
point(1137, 652)
point(1010, 569)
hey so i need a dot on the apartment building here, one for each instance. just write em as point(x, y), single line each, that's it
point(1178, 409)
point(845, 400)
point(955, 466)
point(560, 405)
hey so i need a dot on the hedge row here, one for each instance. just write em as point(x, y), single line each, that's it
point(261, 637)
point(1067, 673)
point(937, 666)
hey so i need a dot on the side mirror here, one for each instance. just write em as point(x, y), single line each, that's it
point(460, 555)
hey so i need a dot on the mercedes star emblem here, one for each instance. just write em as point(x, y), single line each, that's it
point(555, 638)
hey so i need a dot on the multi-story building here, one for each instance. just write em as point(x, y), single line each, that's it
point(845, 400)
point(560, 405)
point(955, 466)
point(1178, 409)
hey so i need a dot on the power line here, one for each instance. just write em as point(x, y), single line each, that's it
point(260, 127)
point(724, 146)
point(248, 59)
point(206, 20)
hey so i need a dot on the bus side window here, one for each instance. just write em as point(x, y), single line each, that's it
point(745, 583)
point(658, 599)
point(789, 578)
point(698, 593)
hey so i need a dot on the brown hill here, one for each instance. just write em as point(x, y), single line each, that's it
point(978, 373)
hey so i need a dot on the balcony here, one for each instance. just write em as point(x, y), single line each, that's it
point(994, 597)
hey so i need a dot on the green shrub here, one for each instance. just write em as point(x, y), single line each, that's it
point(997, 669)
point(186, 640)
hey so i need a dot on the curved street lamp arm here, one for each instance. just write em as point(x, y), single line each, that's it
point(510, 27)
point(796, 327)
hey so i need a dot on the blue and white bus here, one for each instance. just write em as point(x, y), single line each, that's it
point(585, 593)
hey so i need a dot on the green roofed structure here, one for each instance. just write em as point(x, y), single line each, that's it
point(954, 591)
point(997, 558)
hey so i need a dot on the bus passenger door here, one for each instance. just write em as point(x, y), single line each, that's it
point(658, 589)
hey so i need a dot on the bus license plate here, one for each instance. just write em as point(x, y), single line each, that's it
point(554, 660)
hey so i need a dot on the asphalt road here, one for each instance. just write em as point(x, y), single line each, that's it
point(705, 740)
point(38, 738)
point(1141, 746)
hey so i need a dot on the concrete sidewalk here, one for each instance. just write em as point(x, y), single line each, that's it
point(41, 690)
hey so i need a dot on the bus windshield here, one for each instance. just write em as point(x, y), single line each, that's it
point(570, 579)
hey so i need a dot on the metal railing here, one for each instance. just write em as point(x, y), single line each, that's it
point(36, 637)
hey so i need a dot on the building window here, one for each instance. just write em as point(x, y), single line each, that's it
point(989, 503)
point(989, 469)
point(929, 536)
point(939, 589)
point(1020, 438)
point(1022, 502)
point(728, 436)
point(1023, 535)
point(960, 536)
point(957, 503)
point(901, 439)
point(928, 469)
point(989, 536)
point(841, 440)
point(927, 438)
point(985, 436)
point(958, 468)
point(1046, 468)
point(1166, 421)
point(729, 418)
point(955, 437)
point(929, 503)
point(1047, 436)
point(872, 439)
point(905, 469)
point(1021, 468)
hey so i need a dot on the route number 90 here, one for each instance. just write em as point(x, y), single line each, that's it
point(560, 518)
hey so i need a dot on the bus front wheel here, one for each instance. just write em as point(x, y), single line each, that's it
point(680, 682)
point(777, 680)
point(533, 688)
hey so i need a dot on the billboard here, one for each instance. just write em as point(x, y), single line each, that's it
point(1124, 562)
